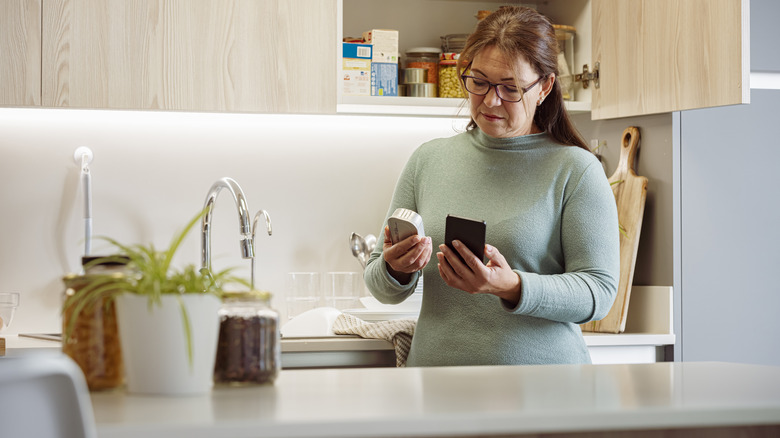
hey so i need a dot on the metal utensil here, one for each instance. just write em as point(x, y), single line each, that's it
point(370, 243)
point(357, 244)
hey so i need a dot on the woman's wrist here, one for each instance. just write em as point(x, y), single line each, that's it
point(513, 295)
point(401, 277)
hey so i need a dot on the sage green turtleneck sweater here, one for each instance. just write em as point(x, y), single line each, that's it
point(549, 210)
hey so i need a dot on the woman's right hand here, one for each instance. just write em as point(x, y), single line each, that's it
point(407, 256)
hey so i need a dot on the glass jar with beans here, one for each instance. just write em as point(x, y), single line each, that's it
point(449, 82)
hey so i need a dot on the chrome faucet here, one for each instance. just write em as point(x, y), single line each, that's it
point(247, 248)
point(258, 215)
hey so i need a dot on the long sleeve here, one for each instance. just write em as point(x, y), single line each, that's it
point(549, 211)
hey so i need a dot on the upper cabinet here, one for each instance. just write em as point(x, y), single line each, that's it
point(284, 56)
point(669, 55)
point(653, 56)
point(20, 50)
point(232, 55)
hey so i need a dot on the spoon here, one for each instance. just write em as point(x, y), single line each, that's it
point(357, 244)
point(370, 242)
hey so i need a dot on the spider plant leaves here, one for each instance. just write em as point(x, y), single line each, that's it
point(150, 273)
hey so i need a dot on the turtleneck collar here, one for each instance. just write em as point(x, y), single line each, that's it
point(523, 142)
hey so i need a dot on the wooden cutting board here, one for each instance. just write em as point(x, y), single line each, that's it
point(630, 192)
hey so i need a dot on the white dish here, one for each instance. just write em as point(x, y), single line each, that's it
point(315, 322)
point(371, 315)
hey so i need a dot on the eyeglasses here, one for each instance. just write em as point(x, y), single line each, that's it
point(505, 92)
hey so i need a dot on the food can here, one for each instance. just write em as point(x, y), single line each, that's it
point(414, 75)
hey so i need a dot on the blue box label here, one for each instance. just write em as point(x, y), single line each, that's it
point(356, 50)
point(384, 79)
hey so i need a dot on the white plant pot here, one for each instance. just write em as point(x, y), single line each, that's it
point(154, 343)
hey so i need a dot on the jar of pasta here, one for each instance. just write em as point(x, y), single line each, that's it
point(89, 325)
point(249, 345)
point(449, 82)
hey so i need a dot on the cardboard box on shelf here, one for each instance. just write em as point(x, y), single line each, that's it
point(384, 79)
point(385, 44)
point(356, 68)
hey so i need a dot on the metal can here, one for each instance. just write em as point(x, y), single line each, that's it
point(249, 345)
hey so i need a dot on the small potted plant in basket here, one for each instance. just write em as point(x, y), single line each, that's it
point(167, 317)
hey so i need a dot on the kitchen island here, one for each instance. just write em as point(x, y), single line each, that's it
point(713, 399)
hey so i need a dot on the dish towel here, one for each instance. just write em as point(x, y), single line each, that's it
point(397, 331)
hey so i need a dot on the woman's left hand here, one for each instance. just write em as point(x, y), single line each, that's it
point(496, 278)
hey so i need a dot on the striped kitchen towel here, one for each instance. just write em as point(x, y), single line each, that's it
point(397, 331)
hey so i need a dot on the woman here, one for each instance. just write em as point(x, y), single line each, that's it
point(552, 230)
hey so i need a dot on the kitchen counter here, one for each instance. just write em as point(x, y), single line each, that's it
point(463, 401)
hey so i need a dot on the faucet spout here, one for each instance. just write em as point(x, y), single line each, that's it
point(258, 215)
point(247, 248)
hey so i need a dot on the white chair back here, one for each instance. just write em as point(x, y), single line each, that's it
point(42, 396)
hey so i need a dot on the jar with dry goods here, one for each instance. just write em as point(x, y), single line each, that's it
point(424, 57)
point(449, 82)
point(249, 345)
point(565, 36)
point(89, 324)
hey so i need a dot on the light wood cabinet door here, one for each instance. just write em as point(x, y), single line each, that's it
point(669, 55)
point(20, 52)
point(227, 55)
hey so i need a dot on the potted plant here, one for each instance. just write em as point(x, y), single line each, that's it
point(167, 317)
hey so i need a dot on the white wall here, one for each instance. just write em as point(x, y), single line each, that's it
point(319, 177)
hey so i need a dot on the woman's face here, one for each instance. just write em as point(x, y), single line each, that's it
point(494, 116)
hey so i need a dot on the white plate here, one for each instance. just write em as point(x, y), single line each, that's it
point(371, 315)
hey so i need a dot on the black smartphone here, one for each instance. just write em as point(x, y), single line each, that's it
point(469, 231)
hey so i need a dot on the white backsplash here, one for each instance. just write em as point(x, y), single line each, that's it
point(319, 177)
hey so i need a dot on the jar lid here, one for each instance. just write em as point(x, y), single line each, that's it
point(564, 28)
point(424, 50)
point(248, 295)
point(77, 279)
point(112, 260)
point(481, 15)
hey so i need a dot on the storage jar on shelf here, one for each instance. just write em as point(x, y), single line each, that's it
point(89, 324)
point(249, 345)
point(565, 36)
point(454, 42)
point(449, 82)
point(424, 57)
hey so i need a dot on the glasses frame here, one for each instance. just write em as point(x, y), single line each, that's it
point(494, 85)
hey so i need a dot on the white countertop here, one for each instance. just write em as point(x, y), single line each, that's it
point(458, 401)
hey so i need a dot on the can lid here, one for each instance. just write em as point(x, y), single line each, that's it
point(424, 50)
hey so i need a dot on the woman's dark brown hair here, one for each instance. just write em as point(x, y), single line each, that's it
point(523, 33)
